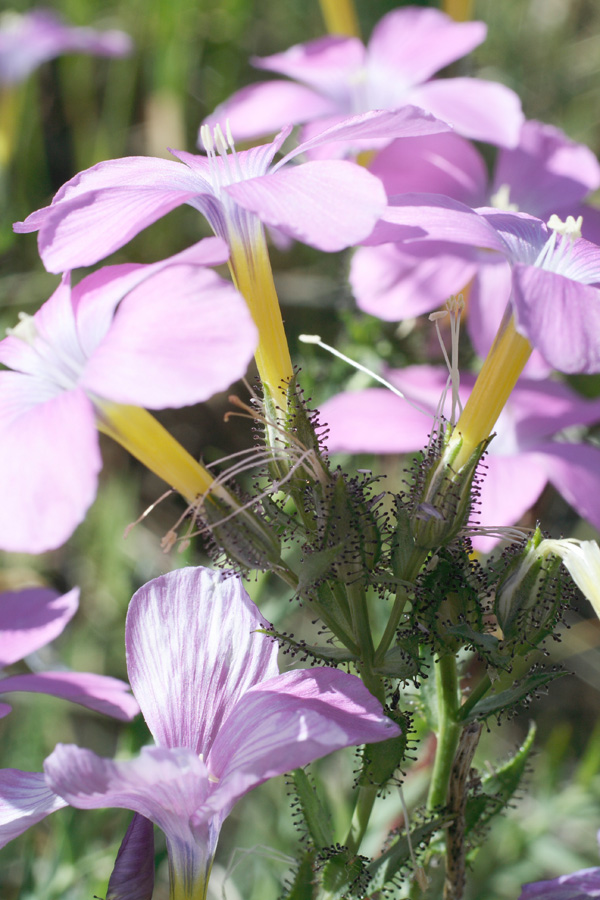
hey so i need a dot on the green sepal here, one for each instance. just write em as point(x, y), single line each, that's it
point(344, 874)
point(386, 867)
point(303, 886)
point(505, 700)
point(381, 760)
point(317, 818)
point(487, 645)
point(314, 566)
point(400, 662)
point(403, 542)
point(498, 788)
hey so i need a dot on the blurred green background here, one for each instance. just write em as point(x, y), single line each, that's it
point(77, 110)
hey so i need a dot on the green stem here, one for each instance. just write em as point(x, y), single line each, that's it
point(448, 733)
point(365, 801)
point(361, 627)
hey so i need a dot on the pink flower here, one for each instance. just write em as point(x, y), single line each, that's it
point(30, 619)
point(27, 40)
point(155, 336)
point(337, 77)
point(223, 719)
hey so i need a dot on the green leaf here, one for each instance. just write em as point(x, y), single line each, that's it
point(498, 788)
point(397, 857)
point(398, 663)
point(332, 655)
point(317, 818)
point(303, 885)
point(495, 703)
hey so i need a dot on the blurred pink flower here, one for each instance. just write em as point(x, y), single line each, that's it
point(30, 619)
point(29, 39)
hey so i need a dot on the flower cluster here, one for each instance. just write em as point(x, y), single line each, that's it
point(383, 163)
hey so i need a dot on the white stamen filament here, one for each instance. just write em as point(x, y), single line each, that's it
point(315, 339)
point(551, 257)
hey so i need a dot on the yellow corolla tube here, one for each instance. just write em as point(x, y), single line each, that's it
point(340, 17)
point(251, 271)
point(499, 374)
point(146, 439)
point(460, 10)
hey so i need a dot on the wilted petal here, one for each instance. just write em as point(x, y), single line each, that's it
point(98, 692)
point(289, 721)
point(45, 441)
point(192, 652)
point(133, 875)
point(328, 204)
point(480, 110)
point(31, 618)
point(25, 798)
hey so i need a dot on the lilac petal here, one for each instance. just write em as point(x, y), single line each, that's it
point(112, 201)
point(582, 885)
point(510, 486)
point(373, 421)
point(480, 110)
point(547, 171)
point(31, 618)
point(329, 204)
point(434, 217)
point(560, 317)
point(375, 125)
point(49, 459)
point(171, 342)
point(97, 296)
point(540, 408)
point(5, 708)
point(133, 875)
point(395, 282)
point(98, 692)
point(260, 109)
point(164, 785)
point(412, 44)
point(25, 798)
point(442, 163)
point(326, 64)
point(289, 721)
point(574, 470)
point(192, 652)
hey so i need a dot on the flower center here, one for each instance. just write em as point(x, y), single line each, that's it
point(53, 364)
point(224, 165)
point(556, 255)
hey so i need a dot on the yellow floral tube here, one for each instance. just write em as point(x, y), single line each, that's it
point(340, 17)
point(461, 10)
point(250, 267)
point(499, 374)
point(146, 439)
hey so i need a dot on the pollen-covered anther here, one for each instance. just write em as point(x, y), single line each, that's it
point(571, 227)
